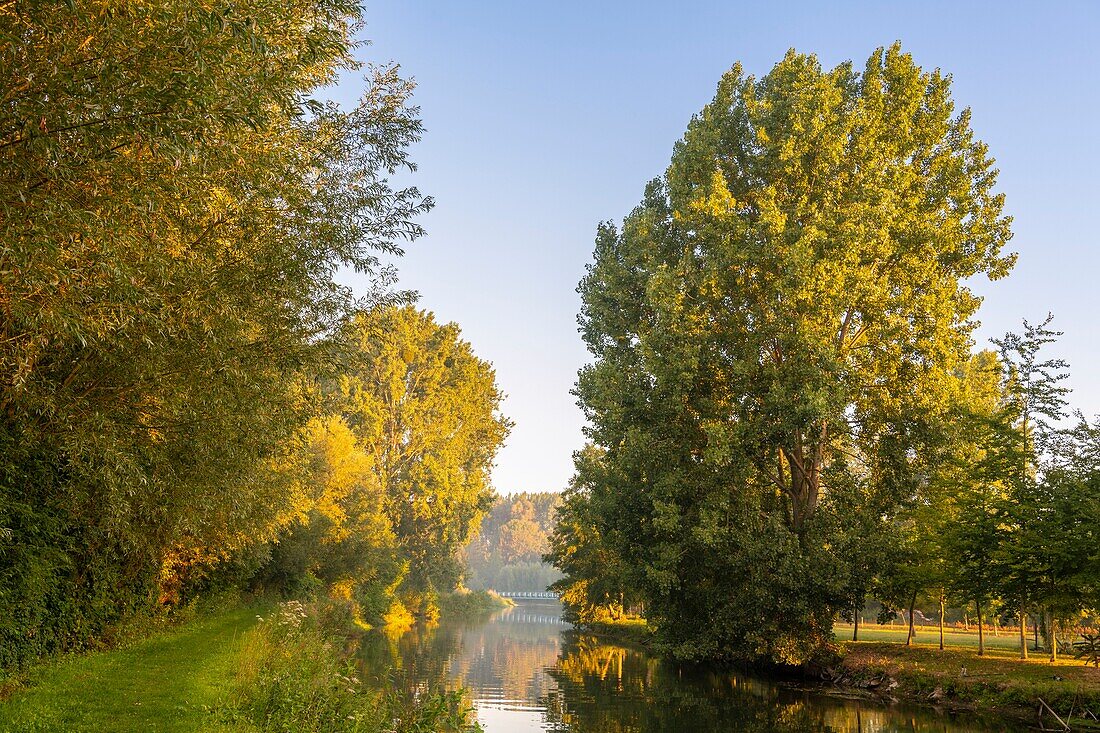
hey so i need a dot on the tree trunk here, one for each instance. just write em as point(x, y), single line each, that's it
point(943, 610)
point(981, 630)
point(1023, 634)
point(1052, 638)
point(912, 605)
point(855, 624)
point(966, 619)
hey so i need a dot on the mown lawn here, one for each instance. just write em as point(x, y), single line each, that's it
point(163, 684)
point(931, 635)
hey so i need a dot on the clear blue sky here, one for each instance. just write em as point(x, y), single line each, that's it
point(545, 118)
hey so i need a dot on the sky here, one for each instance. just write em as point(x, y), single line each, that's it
point(543, 119)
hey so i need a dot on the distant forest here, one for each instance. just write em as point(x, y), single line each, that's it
point(507, 553)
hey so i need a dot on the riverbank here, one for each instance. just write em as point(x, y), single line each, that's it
point(256, 668)
point(627, 630)
point(472, 604)
point(955, 678)
point(958, 679)
point(166, 683)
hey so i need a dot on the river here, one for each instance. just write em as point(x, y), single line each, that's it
point(527, 671)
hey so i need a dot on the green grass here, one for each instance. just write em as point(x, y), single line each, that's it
point(931, 635)
point(163, 684)
point(997, 680)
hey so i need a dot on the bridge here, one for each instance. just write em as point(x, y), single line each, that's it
point(542, 595)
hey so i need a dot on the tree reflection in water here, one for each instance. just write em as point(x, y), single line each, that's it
point(525, 671)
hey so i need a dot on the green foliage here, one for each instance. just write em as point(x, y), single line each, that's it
point(426, 410)
point(1088, 648)
point(62, 583)
point(471, 604)
point(1009, 510)
point(394, 482)
point(292, 676)
point(596, 585)
point(781, 314)
point(174, 205)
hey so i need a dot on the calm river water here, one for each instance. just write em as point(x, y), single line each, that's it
point(527, 671)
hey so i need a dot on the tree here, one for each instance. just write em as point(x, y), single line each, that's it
point(174, 204)
point(521, 537)
point(1052, 548)
point(426, 411)
point(506, 554)
point(970, 482)
point(793, 286)
point(340, 538)
point(596, 585)
point(1039, 404)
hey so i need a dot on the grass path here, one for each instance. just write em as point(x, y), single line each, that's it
point(163, 684)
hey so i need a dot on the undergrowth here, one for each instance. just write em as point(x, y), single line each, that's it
point(295, 675)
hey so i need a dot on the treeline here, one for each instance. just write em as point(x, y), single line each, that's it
point(507, 553)
point(190, 400)
point(787, 415)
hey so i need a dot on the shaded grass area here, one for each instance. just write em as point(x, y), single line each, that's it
point(957, 676)
point(931, 635)
point(164, 684)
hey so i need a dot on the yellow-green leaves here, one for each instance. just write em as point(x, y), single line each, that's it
point(777, 323)
point(425, 410)
point(173, 207)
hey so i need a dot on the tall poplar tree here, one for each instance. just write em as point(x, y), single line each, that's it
point(794, 285)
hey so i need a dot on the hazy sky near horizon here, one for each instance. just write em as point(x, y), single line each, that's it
point(544, 119)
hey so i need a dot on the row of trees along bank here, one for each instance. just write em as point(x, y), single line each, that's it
point(189, 398)
point(787, 417)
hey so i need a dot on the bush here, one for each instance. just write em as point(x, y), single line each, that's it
point(466, 604)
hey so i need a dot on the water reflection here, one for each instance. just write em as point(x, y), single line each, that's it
point(527, 671)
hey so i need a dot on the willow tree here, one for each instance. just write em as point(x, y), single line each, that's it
point(427, 411)
point(794, 286)
point(175, 199)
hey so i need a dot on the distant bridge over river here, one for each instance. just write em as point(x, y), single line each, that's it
point(520, 595)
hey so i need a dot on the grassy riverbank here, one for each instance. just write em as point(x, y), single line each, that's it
point(472, 604)
point(929, 635)
point(167, 683)
point(880, 665)
point(628, 630)
point(958, 678)
point(259, 669)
